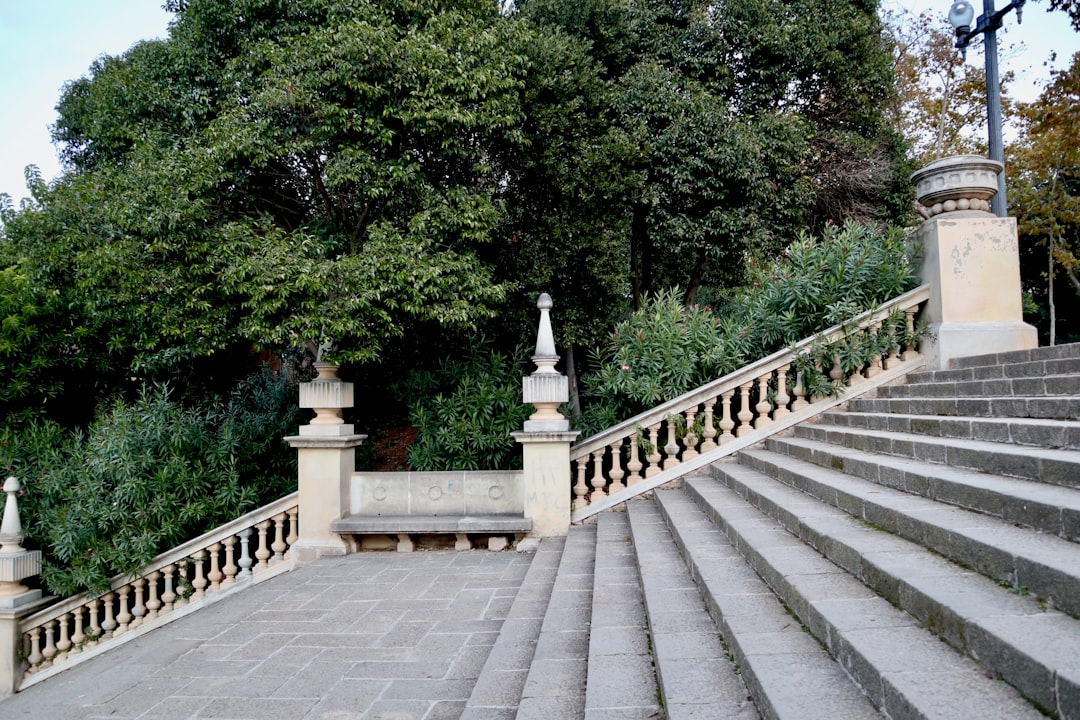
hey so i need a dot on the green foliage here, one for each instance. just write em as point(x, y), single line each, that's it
point(667, 348)
point(148, 475)
point(464, 412)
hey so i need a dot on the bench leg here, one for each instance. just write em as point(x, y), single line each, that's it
point(462, 542)
point(404, 543)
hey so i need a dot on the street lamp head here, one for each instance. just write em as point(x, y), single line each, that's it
point(961, 15)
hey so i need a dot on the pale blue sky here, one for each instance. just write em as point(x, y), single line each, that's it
point(45, 43)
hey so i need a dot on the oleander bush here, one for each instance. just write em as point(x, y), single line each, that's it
point(147, 475)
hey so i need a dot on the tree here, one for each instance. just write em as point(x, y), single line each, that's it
point(1046, 199)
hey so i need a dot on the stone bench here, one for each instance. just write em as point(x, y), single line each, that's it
point(403, 526)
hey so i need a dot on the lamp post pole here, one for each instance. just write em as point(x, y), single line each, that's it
point(961, 15)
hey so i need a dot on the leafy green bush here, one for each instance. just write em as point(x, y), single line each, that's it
point(148, 475)
point(464, 412)
point(665, 349)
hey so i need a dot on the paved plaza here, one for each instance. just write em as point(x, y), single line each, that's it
point(385, 636)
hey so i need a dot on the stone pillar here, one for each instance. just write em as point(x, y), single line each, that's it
point(326, 454)
point(16, 600)
point(545, 440)
point(971, 261)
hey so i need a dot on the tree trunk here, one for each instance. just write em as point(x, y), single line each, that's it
point(571, 374)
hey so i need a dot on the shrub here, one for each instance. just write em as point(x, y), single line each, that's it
point(464, 412)
point(148, 475)
point(665, 349)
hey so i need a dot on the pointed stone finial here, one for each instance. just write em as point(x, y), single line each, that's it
point(11, 534)
point(545, 357)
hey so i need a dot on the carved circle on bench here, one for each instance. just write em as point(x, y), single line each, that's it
point(379, 493)
point(495, 492)
point(434, 492)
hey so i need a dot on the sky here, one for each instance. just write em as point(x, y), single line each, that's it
point(46, 43)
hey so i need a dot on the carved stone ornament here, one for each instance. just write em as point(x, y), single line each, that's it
point(961, 182)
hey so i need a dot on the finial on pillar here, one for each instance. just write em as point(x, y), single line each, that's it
point(11, 534)
point(545, 357)
point(16, 563)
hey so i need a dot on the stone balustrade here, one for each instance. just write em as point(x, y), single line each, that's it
point(250, 549)
point(646, 450)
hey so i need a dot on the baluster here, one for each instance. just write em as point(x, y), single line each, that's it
point(245, 554)
point(782, 397)
point(653, 458)
point(262, 554)
point(875, 364)
point(893, 358)
point(599, 482)
point(279, 547)
point(199, 583)
point(123, 618)
point(78, 637)
point(617, 472)
point(910, 351)
point(108, 624)
point(153, 604)
point(690, 440)
point(799, 391)
point(671, 450)
point(64, 643)
point(230, 568)
point(35, 657)
point(763, 407)
point(581, 490)
point(50, 644)
point(634, 465)
point(95, 629)
point(294, 530)
point(836, 372)
point(139, 611)
point(708, 430)
point(745, 413)
point(726, 422)
point(168, 596)
point(183, 589)
point(215, 575)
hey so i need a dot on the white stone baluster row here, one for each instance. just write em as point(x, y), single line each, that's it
point(159, 592)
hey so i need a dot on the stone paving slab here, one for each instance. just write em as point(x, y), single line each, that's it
point(373, 635)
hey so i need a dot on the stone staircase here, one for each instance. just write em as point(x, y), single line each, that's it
point(913, 555)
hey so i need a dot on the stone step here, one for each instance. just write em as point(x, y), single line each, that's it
point(698, 678)
point(1051, 408)
point(1047, 508)
point(1053, 467)
point(1029, 561)
point(901, 666)
point(621, 678)
point(555, 686)
point(1023, 387)
point(1035, 650)
point(1011, 357)
point(788, 672)
point(1032, 368)
point(1059, 434)
point(497, 692)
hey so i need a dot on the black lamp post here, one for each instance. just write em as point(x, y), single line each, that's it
point(961, 15)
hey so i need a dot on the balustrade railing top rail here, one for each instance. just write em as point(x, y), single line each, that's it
point(183, 576)
point(750, 399)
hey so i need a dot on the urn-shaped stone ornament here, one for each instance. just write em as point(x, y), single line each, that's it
point(961, 182)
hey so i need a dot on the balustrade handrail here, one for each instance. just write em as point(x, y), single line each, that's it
point(746, 373)
point(168, 557)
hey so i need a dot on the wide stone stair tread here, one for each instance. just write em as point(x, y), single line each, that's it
point(902, 667)
point(1030, 387)
point(555, 685)
point(1052, 408)
point(1057, 434)
point(1070, 350)
point(789, 674)
point(497, 692)
point(698, 678)
point(1013, 636)
point(1055, 467)
point(1049, 508)
point(1045, 565)
point(621, 677)
point(1030, 368)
